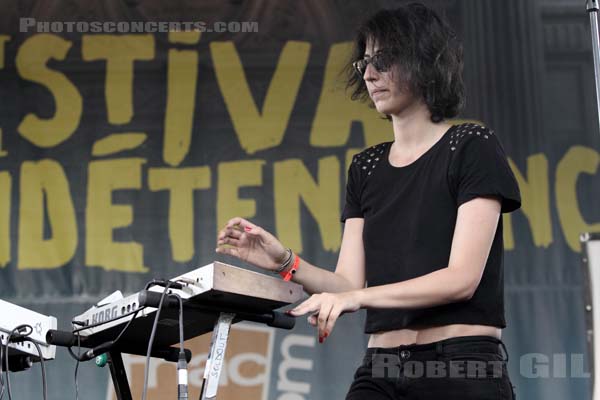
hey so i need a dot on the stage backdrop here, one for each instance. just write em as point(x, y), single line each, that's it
point(122, 153)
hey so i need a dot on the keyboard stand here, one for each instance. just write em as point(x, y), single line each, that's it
point(214, 297)
point(214, 363)
point(118, 375)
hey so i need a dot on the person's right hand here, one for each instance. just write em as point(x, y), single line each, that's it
point(250, 243)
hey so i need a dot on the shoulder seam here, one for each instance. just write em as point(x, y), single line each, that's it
point(369, 158)
point(466, 130)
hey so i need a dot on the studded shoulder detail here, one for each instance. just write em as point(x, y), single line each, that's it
point(462, 132)
point(367, 160)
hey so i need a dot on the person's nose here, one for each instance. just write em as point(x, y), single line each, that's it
point(371, 73)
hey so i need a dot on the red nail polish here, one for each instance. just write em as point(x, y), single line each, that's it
point(320, 339)
point(326, 334)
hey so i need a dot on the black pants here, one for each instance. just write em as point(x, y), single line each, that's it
point(465, 368)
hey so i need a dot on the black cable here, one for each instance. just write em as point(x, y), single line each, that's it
point(181, 338)
point(6, 364)
point(83, 328)
point(155, 282)
point(39, 350)
point(5, 345)
point(151, 341)
point(73, 355)
point(77, 356)
point(178, 284)
point(2, 369)
point(77, 367)
point(126, 326)
point(19, 335)
point(182, 367)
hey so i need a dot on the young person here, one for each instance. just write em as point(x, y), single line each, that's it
point(422, 243)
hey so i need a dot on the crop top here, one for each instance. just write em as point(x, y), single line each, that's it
point(409, 217)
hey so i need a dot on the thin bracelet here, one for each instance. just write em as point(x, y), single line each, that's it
point(286, 263)
point(287, 275)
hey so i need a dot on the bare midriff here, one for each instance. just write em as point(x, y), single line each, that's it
point(422, 335)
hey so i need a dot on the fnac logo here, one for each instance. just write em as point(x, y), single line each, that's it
point(245, 374)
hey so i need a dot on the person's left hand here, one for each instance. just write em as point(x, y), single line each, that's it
point(325, 308)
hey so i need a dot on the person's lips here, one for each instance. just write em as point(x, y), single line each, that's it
point(377, 92)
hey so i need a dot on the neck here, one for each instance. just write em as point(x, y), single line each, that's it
point(413, 128)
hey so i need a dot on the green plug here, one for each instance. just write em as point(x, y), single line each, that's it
point(101, 360)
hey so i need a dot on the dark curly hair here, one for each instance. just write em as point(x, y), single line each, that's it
point(425, 50)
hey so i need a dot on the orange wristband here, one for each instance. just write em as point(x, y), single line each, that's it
point(287, 275)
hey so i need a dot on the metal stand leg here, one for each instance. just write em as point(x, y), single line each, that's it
point(592, 8)
point(119, 376)
point(216, 356)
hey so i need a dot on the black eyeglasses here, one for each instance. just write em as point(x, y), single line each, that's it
point(382, 61)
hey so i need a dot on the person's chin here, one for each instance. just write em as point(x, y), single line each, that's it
point(382, 108)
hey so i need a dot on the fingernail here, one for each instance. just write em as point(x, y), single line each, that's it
point(326, 334)
point(320, 339)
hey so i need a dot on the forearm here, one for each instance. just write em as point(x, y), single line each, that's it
point(436, 288)
point(318, 280)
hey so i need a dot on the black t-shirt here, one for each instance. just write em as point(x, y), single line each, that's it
point(409, 218)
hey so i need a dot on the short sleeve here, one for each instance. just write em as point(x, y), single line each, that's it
point(480, 168)
point(352, 207)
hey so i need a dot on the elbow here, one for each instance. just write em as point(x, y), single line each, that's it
point(464, 295)
point(465, 292)
point(461, 284)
